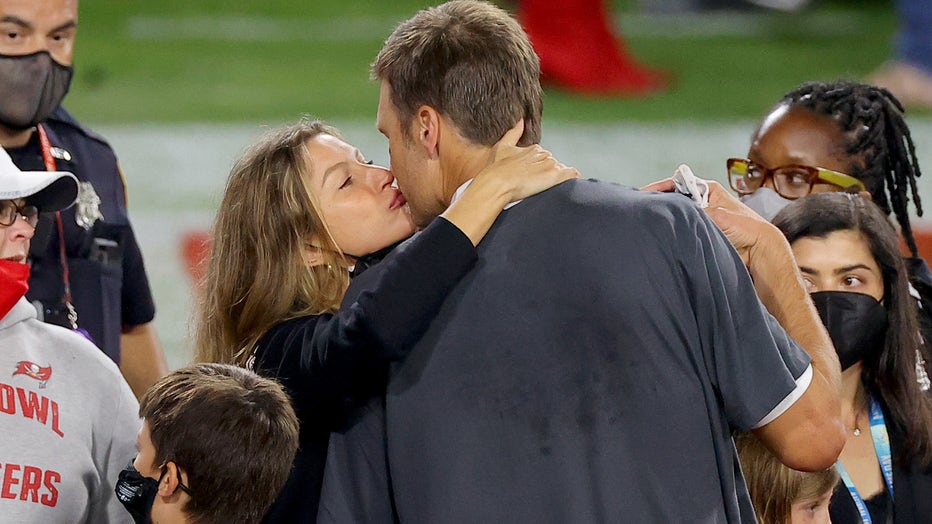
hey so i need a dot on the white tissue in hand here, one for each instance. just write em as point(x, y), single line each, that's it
point(687, 183)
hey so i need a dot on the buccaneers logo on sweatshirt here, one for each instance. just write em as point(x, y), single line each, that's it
point(31, 369)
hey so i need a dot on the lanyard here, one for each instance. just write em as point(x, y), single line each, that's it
point(50, 165)
point(882, 448)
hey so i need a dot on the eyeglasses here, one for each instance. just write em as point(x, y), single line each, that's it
point(791, 182)
point(9, 212)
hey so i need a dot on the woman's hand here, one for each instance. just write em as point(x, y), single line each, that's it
point(521, 172)
point(513, 173)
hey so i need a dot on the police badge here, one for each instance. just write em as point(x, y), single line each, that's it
point(87, 207)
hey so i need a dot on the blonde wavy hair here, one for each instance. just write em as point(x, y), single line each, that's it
point(256, 275)
point(773, 487)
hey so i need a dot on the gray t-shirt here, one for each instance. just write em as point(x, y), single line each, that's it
point(592, 368)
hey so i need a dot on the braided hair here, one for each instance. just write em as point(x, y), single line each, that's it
point(871, 119)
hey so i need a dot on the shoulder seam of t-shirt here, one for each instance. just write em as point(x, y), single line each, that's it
point(802, 384)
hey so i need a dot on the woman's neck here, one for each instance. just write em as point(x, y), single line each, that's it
point(854, 396)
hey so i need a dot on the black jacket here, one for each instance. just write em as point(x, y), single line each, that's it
point(331, 363)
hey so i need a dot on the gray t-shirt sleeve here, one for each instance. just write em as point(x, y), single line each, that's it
point(751, 361)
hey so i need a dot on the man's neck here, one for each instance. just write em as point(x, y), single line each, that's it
point(462, 166)
point(14, 137)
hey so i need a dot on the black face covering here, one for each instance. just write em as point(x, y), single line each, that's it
point(856, 322)
point(137, 493)
point(31, 87)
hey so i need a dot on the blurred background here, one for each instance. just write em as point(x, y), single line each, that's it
point(181, 87)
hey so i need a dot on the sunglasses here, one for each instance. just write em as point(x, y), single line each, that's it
point(791, 182)
point(9, 212)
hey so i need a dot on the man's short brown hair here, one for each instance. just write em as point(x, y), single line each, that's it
point(472, 62)
point(231, 431)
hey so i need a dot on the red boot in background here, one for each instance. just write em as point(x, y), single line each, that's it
point(579, 50)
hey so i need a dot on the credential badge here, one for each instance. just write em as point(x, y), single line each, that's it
point(87, 208)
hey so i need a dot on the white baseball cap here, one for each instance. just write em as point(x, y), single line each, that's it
point(47, 190)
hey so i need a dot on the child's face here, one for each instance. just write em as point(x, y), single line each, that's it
point(811, 511)
point(145, 459)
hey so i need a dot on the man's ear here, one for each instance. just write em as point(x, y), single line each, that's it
point(169, 482)
point(426, 129)
point(866, 194)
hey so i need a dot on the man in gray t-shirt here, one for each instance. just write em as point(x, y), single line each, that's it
point(595, 364)
point(578, 385)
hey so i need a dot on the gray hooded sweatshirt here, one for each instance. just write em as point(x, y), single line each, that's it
point(68, 424)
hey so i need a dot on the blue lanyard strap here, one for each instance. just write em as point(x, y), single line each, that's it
point(882, 447)
point(882, 444)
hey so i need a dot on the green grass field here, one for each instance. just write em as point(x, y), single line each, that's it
point(236, 61)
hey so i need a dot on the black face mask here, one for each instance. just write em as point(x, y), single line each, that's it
point(31, 87)
point(856, 322)
point(137, 493)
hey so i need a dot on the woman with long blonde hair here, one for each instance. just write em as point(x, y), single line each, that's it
point(301, 208)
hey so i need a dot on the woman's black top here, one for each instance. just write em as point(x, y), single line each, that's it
point(330, 364)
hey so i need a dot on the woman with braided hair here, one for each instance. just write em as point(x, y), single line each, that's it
point(850, 128)
point(837, 136)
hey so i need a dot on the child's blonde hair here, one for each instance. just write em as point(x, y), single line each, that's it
point(773, 487)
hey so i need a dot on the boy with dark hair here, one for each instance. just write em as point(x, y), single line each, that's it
point(216, 446)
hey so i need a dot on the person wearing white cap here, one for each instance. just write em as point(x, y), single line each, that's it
point(69, 419)
point(87, 267)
